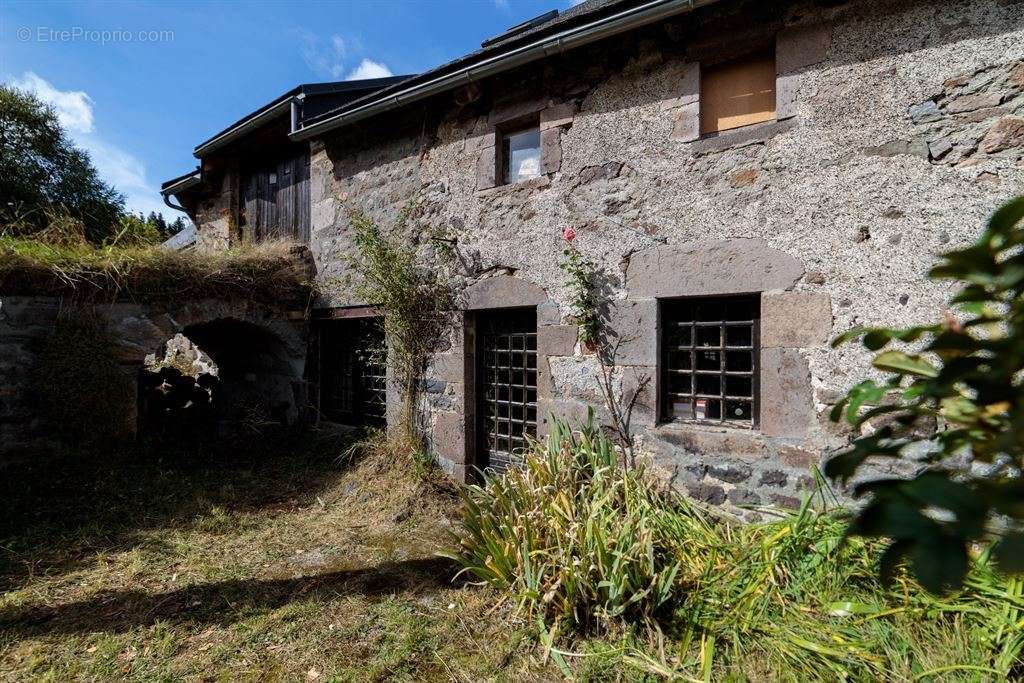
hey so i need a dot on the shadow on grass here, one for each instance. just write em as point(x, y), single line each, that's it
point(58, 513)
point(221, 603)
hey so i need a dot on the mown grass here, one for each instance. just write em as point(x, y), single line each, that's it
point(288, 566)
point(296, 564)
point(270, 272)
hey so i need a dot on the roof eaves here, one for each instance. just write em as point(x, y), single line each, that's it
point(503, 57)
point(281, 104)
point(181, 183)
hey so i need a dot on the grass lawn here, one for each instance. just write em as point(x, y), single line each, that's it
point(282, 567)
point(290, 565)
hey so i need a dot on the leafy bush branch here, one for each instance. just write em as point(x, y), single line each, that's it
point(963, 380)
point(417, 301)
point(589, 304)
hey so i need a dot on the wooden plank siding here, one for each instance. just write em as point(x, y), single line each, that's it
point(275, 199)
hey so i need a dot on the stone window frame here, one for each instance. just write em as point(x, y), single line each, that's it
point(795, 48)
point(453, 434)
point(790, 322)
point(663, 367)
point(552, 118)
point(504, 131)
point(756, 52)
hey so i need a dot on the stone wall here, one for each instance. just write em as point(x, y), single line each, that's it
point(142, 330)
point(899, 130)
point(216, 216)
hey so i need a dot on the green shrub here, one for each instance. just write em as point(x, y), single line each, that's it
point(574, 538)
point(579, 542)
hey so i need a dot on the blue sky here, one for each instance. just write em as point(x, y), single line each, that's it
point(139, 84)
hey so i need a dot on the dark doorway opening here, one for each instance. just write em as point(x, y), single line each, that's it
point(353, 381)
point(224, 382)
point(506, 386)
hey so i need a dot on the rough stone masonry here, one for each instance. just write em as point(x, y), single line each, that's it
point(899, 129)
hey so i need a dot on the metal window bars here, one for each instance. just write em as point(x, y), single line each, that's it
point(509, 396)
point(710, 360)
point(353, 383)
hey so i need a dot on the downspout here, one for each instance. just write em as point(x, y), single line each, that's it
point(167, 201)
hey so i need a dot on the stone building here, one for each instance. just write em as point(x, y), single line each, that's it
point(751, 178)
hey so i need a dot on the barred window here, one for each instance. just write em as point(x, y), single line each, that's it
point(353, 386)
point(709, 354)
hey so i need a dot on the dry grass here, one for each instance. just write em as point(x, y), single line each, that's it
point(273, 272)
point(290, 567)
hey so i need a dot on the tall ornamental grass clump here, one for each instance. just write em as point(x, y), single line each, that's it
point(585, 546)
point(573, 538)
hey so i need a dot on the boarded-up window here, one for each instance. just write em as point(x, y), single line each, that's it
point(737, 93)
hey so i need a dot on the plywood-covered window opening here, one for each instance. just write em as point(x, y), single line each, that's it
point(710, 360)
point(737, 93)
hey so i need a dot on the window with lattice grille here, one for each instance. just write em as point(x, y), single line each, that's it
point(709, 357)
point(506, 386)
point(352, 364)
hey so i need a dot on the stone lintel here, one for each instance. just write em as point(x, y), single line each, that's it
point(710, 268)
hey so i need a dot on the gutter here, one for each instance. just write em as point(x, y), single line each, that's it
point(558, 43)
point(253, 122)
point(181, 185)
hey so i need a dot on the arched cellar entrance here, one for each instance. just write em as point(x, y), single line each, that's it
point(218, 381)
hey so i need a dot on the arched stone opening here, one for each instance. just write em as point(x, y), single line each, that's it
point(177, 391)
point(219, 380)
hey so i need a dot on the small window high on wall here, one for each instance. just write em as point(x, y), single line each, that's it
point(709, 360)
point(737, 93)
point(520, 154)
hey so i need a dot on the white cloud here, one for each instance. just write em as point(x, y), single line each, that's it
point(121, 169)
point(74, 107)
point(503, 5)
point(369, 69)
point(327, 60)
